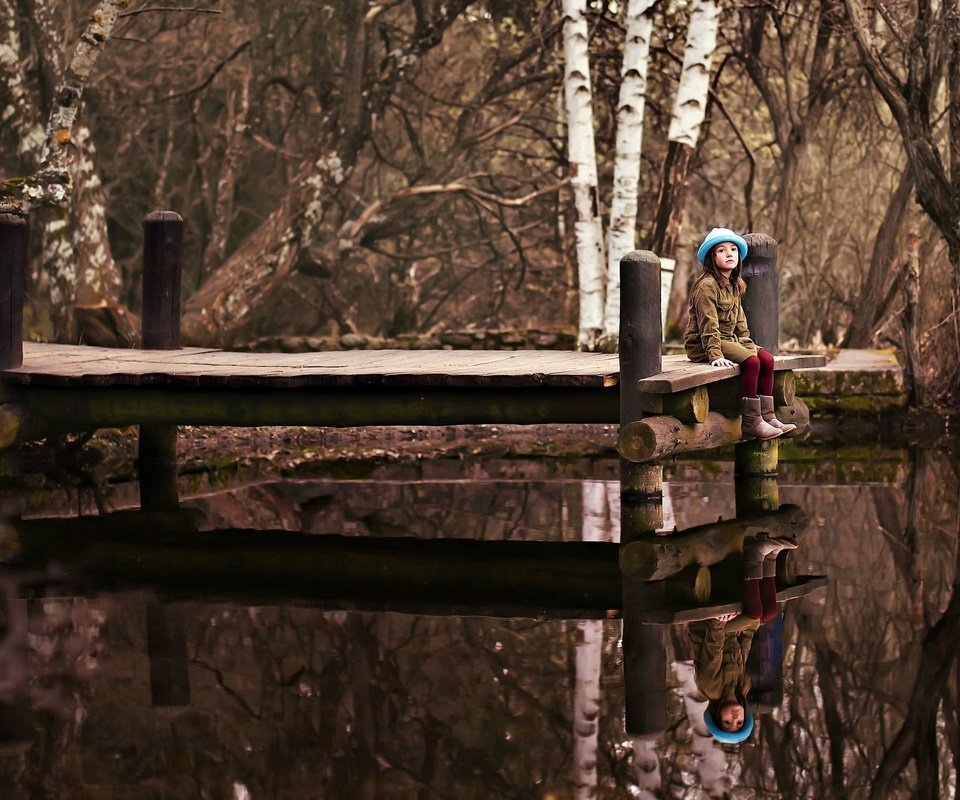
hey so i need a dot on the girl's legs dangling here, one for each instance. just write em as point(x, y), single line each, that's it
point(765, 376)
point(760, 575)
point(749, 373)
point(756, 375)
point(765, 390)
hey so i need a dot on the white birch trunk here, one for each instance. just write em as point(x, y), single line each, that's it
point(621, 236)
point(690, 105)
point(583, 171)
point(237, 125)
point(646, 765)
point(718, 774)
point(586, 704)
point(51, 185)
point(17, 108)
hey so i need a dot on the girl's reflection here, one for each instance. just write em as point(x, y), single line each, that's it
point(721, 645)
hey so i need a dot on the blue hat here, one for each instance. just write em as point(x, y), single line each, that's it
point(729, 737)
point(718, 235)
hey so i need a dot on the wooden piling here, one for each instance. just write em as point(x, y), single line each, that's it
point(641, 333)
point(640, 516)
point(761, 303)
point(757, 457)
point(13, 267)
point(756, 494)
point(157, 466)
point(162, 266)
point(167, 652)
point(644, 660)
point(16, 716)
point(640, 327)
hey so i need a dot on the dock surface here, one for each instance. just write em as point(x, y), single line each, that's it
point(79, 365)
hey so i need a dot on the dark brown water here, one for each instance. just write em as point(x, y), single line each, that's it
point(207, 689)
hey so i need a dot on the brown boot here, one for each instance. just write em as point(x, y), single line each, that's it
point(770, 415)
point(760, 554)
point(753, 426)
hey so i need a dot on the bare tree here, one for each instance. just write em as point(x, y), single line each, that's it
point(907, 71)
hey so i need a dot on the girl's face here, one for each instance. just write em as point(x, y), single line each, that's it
point(731, 715)
point(726, 256)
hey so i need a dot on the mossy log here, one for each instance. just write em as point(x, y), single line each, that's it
point(40, 411)
point(12, 420)
point(159, 552)
point(656, 437)
point(689, 406)
point(657, 558)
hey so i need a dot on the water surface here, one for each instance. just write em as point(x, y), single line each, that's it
point(299, 699)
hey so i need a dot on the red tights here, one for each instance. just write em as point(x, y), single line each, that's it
point(756, 374)
point(760, 599)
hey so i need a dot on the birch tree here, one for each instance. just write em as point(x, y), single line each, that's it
point(689, 111)
point(583, 171)
point(621, 236)
point(76, 260)
point(597, 527)
point(50, 185)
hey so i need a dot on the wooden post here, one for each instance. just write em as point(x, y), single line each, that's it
point(16, 717)
point(640, 328)
point(641, 337)
point(157, 465)
point(162, 263)
point(757, 457)
point(13, 266)
point(640, 517)
point(644, 660)
point(761, 303)
point(756, 494)
point(167, 651)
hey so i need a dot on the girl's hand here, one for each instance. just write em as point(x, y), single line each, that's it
point(722, 362)
point(727, 617)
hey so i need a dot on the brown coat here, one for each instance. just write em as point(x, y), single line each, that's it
point(717, 326)
point(720, 655)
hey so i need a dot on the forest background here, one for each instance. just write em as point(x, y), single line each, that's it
point(402, 166)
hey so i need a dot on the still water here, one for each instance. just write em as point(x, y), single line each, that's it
point(183, 679)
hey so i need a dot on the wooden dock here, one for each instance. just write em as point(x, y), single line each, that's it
point(78, 366)
point(67, 387)
point(664, 405)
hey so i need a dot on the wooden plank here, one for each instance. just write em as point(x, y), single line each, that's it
point(68, 365)
point(806, 585)
point(680, 375)
point(65, 365)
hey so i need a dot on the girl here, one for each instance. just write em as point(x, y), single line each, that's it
point(717, 331)
point(721, 645)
